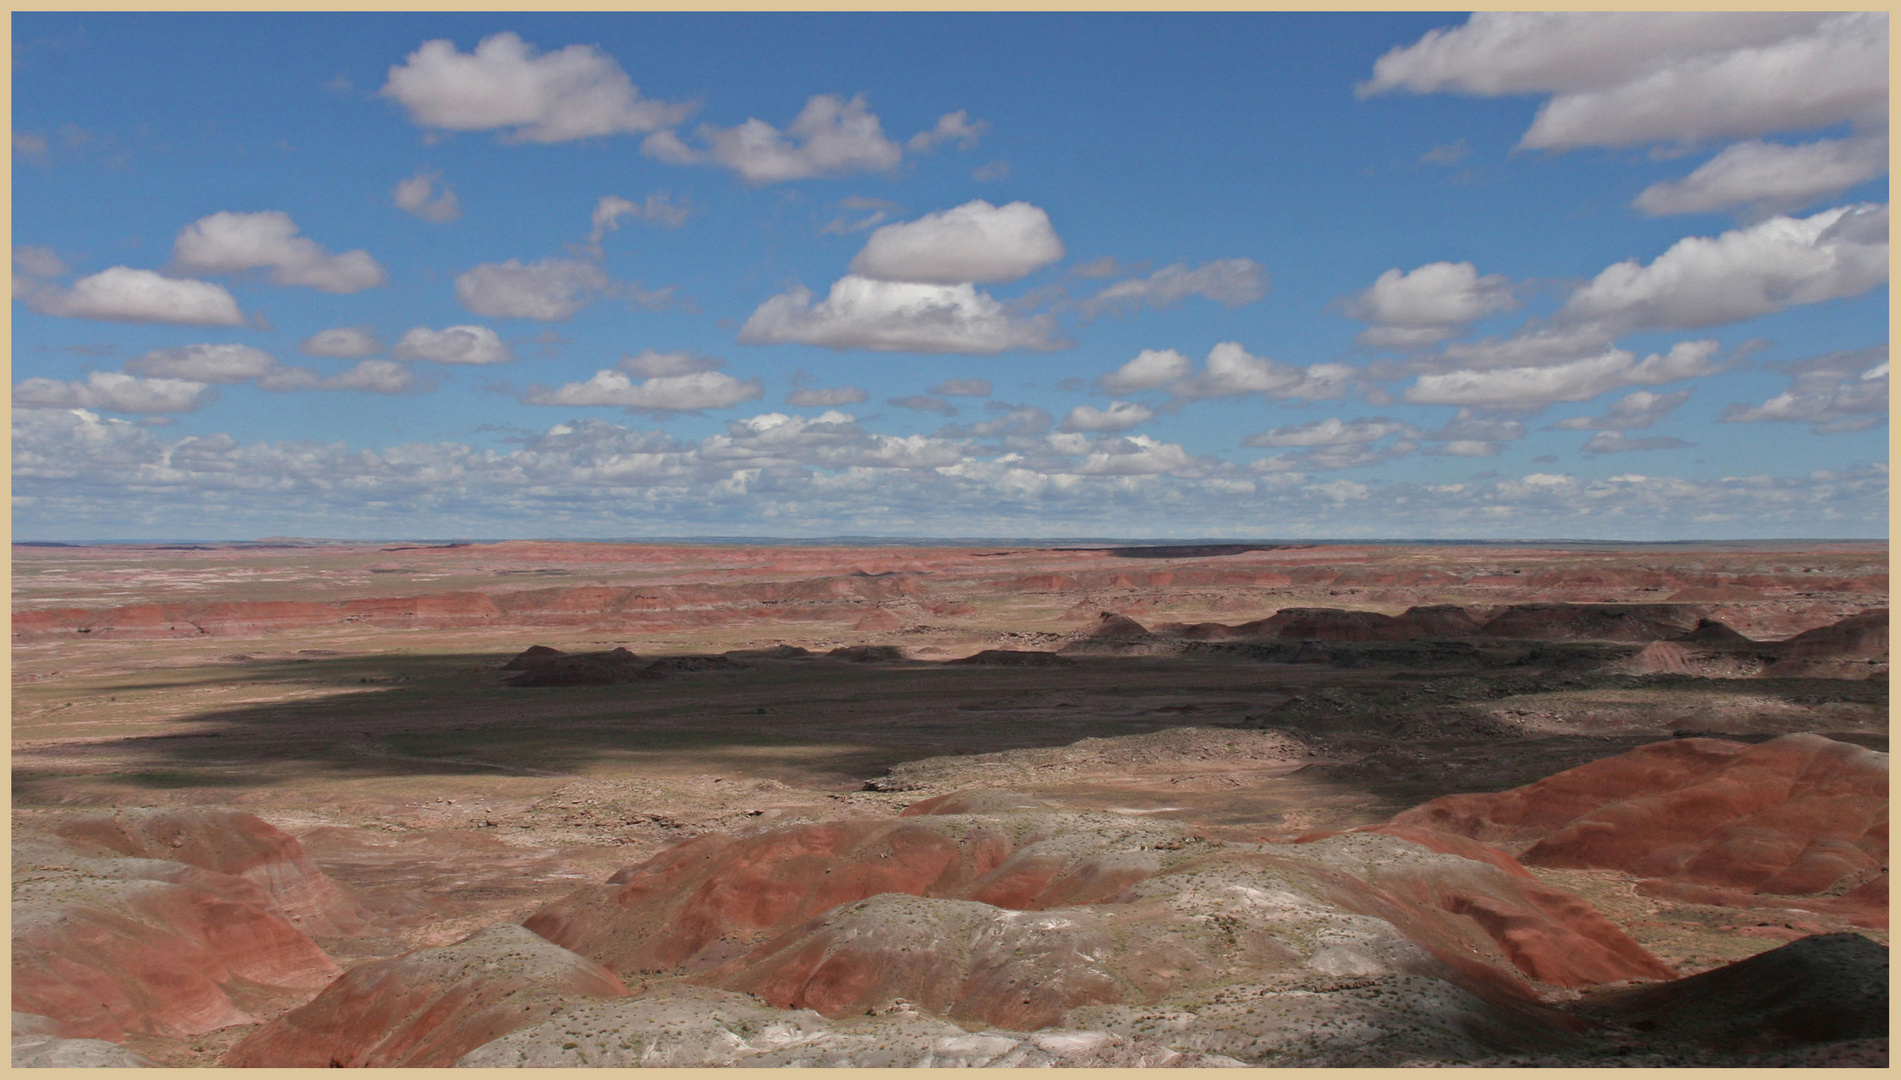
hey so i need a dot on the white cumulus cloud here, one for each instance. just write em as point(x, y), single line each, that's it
point(1616, 442)
point(1137, 455)
point(957, 125)
point(1641, 409)
point(963, 388)
point(806, 397)
point(1624, 78)
point(1119, 416)
point(1532, 347)
point(453, 345)
point(418, 196)
point(1777, 263)
point(229, 243)
point(123, 294)
point(572, 93)
point(39, 262)
point(1231, 370)
point(923, 403)
point(204, 363)
point(547, 290)
point(369, 376)
point(654, 364)
point(343, 342)
point(1228, 282)
point(666, 393)
point(1769, 177)
point(1839, 392)
point(1427, 304)
point(113, 391)
point(1577, 380)
point(975, 242)
point(890, 316)
point(1151, 369)
point(1331, 432)
point(831, 136)
point(658, 208)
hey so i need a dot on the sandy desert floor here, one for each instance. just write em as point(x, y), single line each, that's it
point(307, 804)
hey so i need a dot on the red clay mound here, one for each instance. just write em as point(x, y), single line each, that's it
point(1593, 622)
point(112, 946)
point(1798, 815)
point(229, 842)
point(427, 1008)
point(982, 963)
point(708, 899)
point(879, 620)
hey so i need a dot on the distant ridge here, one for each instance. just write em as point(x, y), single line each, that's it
point(1128, 547)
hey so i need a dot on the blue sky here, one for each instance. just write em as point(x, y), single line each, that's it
point(1261, 275)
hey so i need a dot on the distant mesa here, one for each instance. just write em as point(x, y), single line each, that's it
point(868, 654)
point(552, 667)
point(1188, 551)
point(1593, 622)
point(1013, 658)
point(533, 656)
point(777, 652)
point(677, 665)
point(543, 666)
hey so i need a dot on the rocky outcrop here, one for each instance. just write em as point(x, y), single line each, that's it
point(696, 1027)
